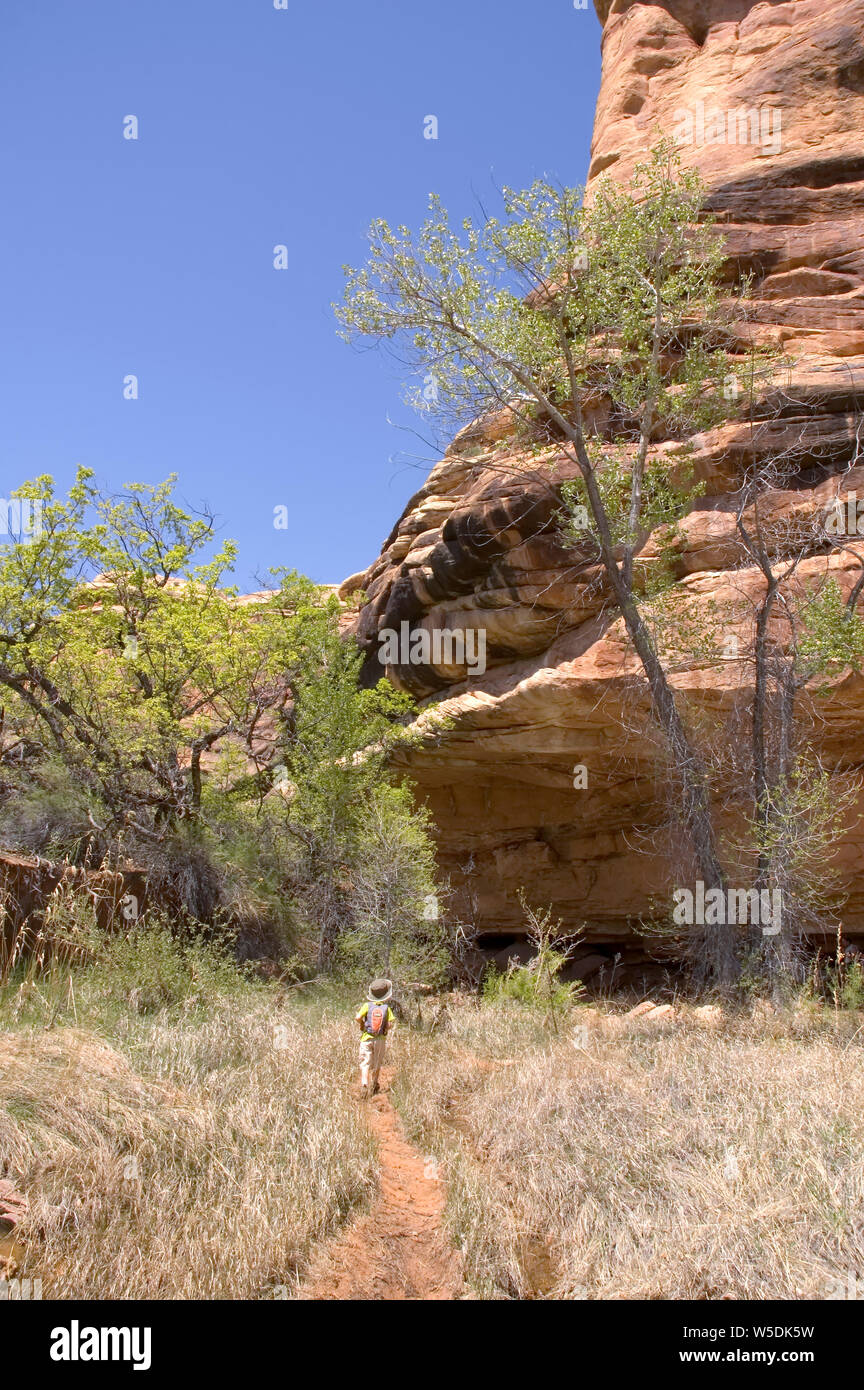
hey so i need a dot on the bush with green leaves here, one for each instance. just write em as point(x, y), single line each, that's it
point(530, 985)
point(537, 985)
point(155, 967)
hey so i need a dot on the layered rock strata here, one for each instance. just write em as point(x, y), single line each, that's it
point(767, 101)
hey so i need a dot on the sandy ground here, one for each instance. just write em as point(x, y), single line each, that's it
point(399, 1249)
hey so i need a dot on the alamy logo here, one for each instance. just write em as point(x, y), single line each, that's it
point(20, 517)
point(443, 646)
point(722, 906)
point(77, 1343)
point(845, 517)
point(851, 1287)
point(20, 1290)
point(742, 125)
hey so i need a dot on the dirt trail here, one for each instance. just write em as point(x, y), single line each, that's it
point(399, 1249)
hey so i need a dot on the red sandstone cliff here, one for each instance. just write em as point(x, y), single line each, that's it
point(477, 546)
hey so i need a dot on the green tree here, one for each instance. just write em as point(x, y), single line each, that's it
point(128, 660)
point(367, 860)
point(153, 713)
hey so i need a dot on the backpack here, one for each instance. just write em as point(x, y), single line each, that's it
point(376, 1020)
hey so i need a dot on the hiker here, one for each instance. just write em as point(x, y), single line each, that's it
point(376, 1018)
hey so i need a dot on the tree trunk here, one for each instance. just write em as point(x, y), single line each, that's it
point(714, 954)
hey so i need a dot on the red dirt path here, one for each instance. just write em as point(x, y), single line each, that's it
point(399, 1249)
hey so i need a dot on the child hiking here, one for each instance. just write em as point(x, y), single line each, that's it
point(376, 1018)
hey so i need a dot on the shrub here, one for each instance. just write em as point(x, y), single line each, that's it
point(153, 967)
point(536, 984)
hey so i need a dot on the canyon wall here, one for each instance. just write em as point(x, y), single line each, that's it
point(767, 101)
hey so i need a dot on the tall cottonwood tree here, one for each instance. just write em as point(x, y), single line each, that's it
point(553, 306)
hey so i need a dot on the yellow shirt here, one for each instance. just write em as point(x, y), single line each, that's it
point(363, 1010)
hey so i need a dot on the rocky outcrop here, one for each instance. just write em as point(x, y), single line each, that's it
point(28, 885)
point(767, 100)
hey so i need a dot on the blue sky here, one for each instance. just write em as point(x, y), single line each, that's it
point(154, 257)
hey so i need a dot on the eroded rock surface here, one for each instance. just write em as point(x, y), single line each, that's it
point(478, 545)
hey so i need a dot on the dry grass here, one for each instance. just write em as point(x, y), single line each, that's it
point(182, 1133)
point(659, 1162)
point(197, 1157)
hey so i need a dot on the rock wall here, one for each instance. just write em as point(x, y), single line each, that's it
point(770, 97)
point(26, 889)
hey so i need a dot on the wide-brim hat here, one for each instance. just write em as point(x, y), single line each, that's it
point(380, 990)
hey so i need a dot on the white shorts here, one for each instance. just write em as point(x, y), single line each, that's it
point(371, 1057)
